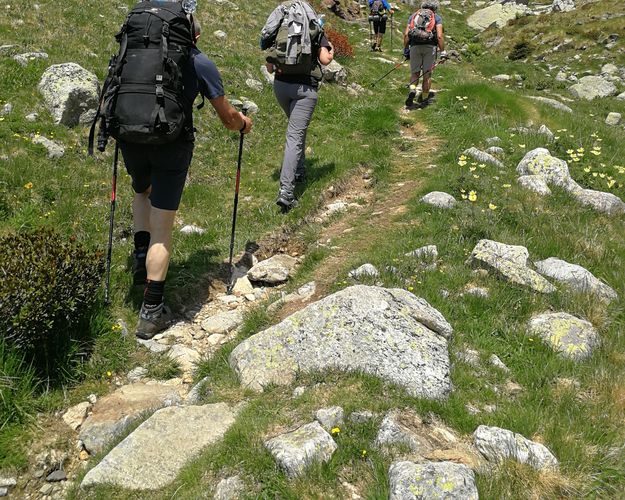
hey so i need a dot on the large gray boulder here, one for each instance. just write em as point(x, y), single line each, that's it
point(572, 337)
point(152, 456)
point(439, 199)
point(389, 333)
point(70, 93)
point(498, 444)
point(509, 262)
point(593, 87)
point(576, 277)
point(296, 450)
point(431, 480)
point(113, 414)
point(534, 183)
point(497, 14)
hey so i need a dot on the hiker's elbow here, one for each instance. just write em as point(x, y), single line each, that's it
point(326, 56)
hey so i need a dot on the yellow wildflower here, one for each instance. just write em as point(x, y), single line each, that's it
point(492, 206)
point(507, 186)
point(28, 185)
point(335, 431)
point(472, 196)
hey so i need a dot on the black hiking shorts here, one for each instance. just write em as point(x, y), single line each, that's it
point(164, 167)
point(379, 24)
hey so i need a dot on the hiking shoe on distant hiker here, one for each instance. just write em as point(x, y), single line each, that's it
point(286, 200)
point(139, 271)
point(153, 320)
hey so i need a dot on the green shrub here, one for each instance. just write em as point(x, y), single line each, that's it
point(48, 288)
point(521, 50)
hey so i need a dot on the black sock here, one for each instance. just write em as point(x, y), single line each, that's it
point(153, 295)
point(142, 240)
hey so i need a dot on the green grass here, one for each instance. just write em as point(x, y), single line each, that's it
point(582, 427)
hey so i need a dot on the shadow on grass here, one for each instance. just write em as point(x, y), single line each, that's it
point(315, 171)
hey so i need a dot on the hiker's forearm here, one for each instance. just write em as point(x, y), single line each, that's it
point(229, 116)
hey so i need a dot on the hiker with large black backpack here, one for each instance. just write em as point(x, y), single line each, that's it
point(146, 105)
point(423, 40)
point(379, 10)
point(296, 48)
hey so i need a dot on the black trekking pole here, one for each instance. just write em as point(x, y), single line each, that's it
point(234, 215)
point(388, 73)
point(391, 33)
point(107, 290)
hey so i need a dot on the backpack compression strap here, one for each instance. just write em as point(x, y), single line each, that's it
point(159, 107)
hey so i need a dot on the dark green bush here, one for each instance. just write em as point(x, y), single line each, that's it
point(521, 50)
point(48, 288)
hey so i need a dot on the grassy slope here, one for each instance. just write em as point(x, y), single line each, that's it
point(582, 427)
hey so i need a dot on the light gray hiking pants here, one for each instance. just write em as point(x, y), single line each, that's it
point(298, 102)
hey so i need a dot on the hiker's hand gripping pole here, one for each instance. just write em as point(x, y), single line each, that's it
point(234, 211)
point(109, 253)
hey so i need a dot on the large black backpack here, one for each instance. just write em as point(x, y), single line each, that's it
point(142, 98)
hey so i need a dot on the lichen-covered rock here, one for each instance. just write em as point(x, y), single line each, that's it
point(334, 73)
point(593, 87)
point(24, 59)
point(563, 5)
point(576, 277)
point(498, 444)
point(231, 488)
point(540, 162)
point(113, 414)
point(276, 269)
point(572, 337)
point(70, 93)
point(509, 262)
point(613, 119)
point(497, 14)
point(296, 450)
point(534, 183)
point(363, 329)
point(439, 199)
point(431, 480)
point(483, 157)
point(544, 131)
point(552, 103)
point(330, 417)
point(152, 456)
point(601, 201)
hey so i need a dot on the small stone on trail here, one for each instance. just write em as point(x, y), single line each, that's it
point(76, 415)
point(254, 84)
point(429, 252)
point(491, 141)
point(222, 323)
point(56, 476)
point(361, 417)
point(137, 374)
point(512, 388)
point(276, 269)
point(296, 450)
point(469, 356)
point(495, 150)
point(613, 119)
point(55, 150)
point(243, 286)
point(483, 157)
point(299, 391)
point(330, 417)
point(220, 34)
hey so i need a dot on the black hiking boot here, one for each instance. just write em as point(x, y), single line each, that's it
point(286, 200)
point(153, 320)
point(410, 100)
point(139, 272)
point(374, 47)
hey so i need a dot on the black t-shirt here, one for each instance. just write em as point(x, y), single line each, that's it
point(307, 79)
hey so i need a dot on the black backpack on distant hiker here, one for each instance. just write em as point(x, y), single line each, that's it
point(142, 98)
point(422, 28)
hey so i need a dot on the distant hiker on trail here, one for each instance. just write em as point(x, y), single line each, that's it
point(156, 140)
point(296, 48)
point(423, 38)
point(379, 10)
